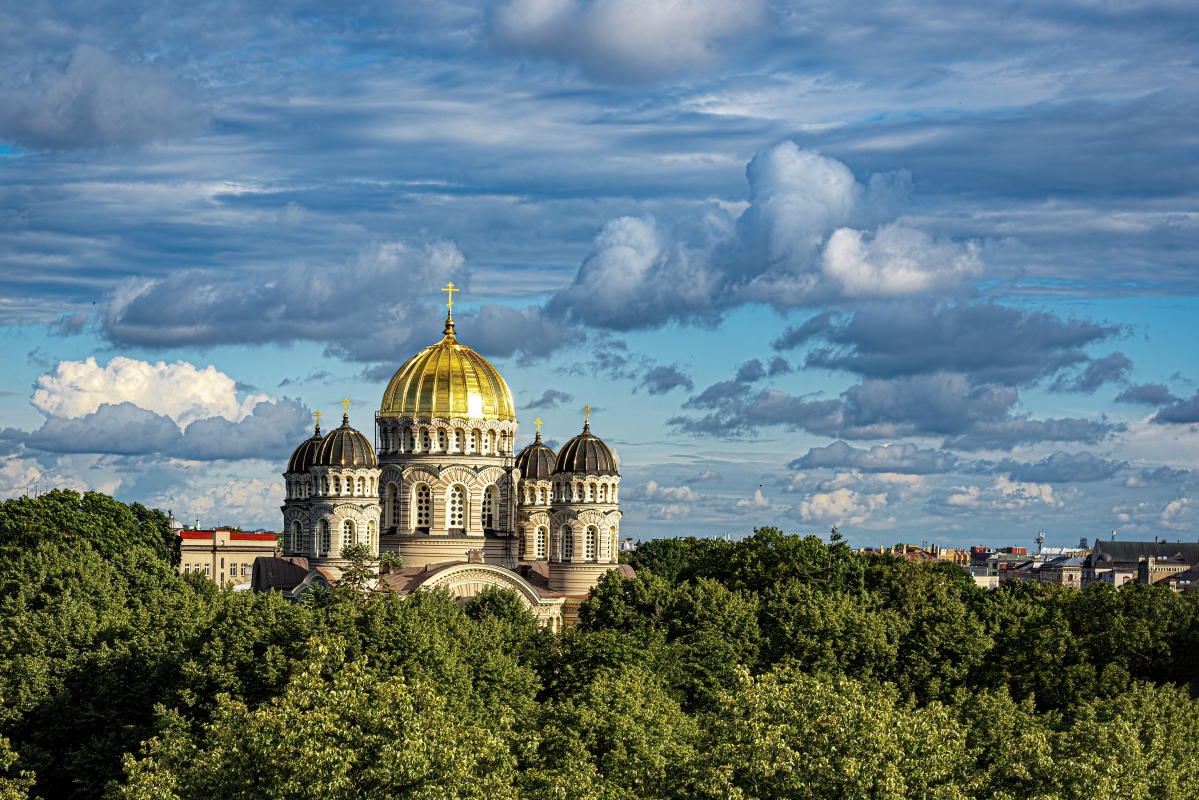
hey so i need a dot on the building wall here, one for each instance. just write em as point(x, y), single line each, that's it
point(215, 552)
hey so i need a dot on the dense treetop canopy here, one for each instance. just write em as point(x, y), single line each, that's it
point(777, 667)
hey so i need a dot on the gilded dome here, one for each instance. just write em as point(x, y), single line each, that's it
point(344, 447)
point(535, 462)
point(586, 453)
point(303, 457)
point(448, 380)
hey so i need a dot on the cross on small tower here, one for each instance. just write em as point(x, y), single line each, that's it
point(449, 290)
point(586, 415)
point(537, 422)
point(345, 405)
point(317, 414)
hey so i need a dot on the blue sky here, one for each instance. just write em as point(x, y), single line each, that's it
point(926, 271)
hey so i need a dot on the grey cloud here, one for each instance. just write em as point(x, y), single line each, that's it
point(970, 417)
point(1109, 369)
point(68, 325)
point(796, 335)
point(902, 458)
point(503, 331)
point(95, 100)
point(1062, 467)
point(779, 366)
point(1009, 433)
point(662, 379)
point(987, 341)
point(704, 477)
point(41, 359)
point(271, 431)
point(1147, 394)
point(1183, 412)
point(1162, 476)
point(750, 372)
point(373, 374)
point(122, 429)
point(550, 398)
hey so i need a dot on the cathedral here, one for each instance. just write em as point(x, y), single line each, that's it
point(443, 488)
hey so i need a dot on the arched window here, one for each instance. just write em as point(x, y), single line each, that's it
point(490, 503)
point(371, 541)
point(424, 506)
point(602, 492)
point(539, 496)
point(590, 536)
point(474, 441)
point(347, 534)
point(568, 543)
point(486, 443)
point(393, 506)
point(296, 542)
point(361, 488)
point(441, 440)
point(589, 488)
point(424, 440)
point(613, 545)
point(455, 508)
point(336, 485)
point(324, 537)
point(539, 543)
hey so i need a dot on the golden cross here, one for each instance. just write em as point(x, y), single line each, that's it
point(586, 415)
point(449, 290)
point(537, 422)
point(317, 414)
point(345, 404)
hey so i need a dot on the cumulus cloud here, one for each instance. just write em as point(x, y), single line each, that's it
point(812, 234)
point(550, 398)
point(841, 507)
point(180, 391)
point(625, 40)
point(1162, 476)
point(664, 502)
point(704, 476)
point(1003, 495)
point(1111, 368)
point(95, 99)
point(750, 372)
point(778, 366)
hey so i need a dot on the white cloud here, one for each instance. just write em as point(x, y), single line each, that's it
point(896, 260)
point(1003, 495)
point(630, 40)
point(841, 506)
point(179, 391)
point(652, 492)
point(236, 501)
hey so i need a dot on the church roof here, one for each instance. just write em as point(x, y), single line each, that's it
point(1129, 552)
point(535, 462)
point(344, 447)
point(586, 453)
point(448, 380)
point(303, 456)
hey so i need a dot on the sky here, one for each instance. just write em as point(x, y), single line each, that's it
point(926, 271)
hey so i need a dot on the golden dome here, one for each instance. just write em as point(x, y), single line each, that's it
point(450, 381)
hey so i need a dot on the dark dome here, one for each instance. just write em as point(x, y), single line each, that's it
point(535, 462)
point(304, 455)
point(586, 453)
point(344, 447)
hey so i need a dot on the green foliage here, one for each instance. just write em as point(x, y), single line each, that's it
point(777, 667)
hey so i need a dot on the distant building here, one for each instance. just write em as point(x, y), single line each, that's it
point(223, 556)
point(1118, 563)
point(1062, 571)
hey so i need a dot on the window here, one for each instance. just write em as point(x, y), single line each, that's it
point(568, 543)
point(441, 440)
point(424, 506)
point(589, 540)
point(489, 504)
point(589, 493)
point(602, 492)
point(455, 440)
point(246, 569)
point(474, 441)
point(392, 507)
point(486, 443)
point(454, 508)
point(207, 570)
point(187, 567)
point(347, 534)
point(361, 487)
point(324, 537)
point(539, 496)
point(424, 440)
point(232, 569)
point(539, 543)
point(370, 534)
point(307, 545)
point(295, 544)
